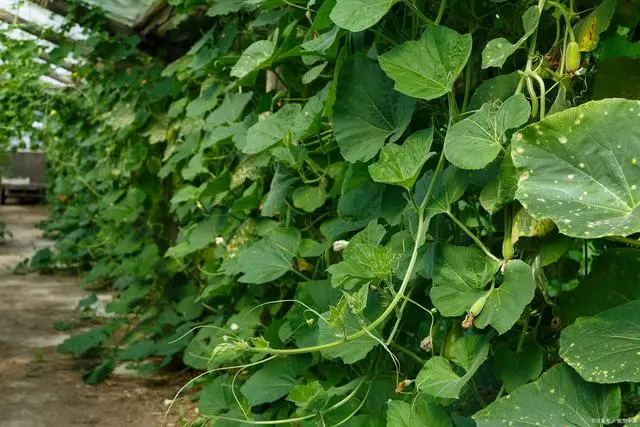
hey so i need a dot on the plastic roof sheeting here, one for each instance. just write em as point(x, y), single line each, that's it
point(39, 16)
point(126, 12)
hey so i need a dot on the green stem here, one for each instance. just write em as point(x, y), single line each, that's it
point(543, 95)
point(443, 6)
point(409, 353)
point(467, 86)
point(625, 240)
point(368, 329)
point(417, 12)
point(523, 335)
point(472, 236)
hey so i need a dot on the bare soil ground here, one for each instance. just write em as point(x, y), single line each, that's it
point(39, 387)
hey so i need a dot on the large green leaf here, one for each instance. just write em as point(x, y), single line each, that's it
point(429, 67)
point(401, 164)
point(559, 397)
point(216, 397)
point(580, 171)
point(253, 57)
point(449, 187)
point(368, 111)
point(498, 50)
point(476, 141)
point(358, 15)
point(516, 368)
point(419, 413)
point(605, 348)
point(274, 380)
point(438, 379)
point(229, 111)
point(271, 257)
point(507, 301)
point(272, 129)
point(502, 189)
point(612, 281)
point(460, 275)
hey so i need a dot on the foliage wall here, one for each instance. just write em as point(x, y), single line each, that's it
point(346, 212)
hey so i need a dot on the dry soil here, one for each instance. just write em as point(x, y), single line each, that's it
point(38, 387)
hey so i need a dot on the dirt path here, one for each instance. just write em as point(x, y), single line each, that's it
point(39, 387)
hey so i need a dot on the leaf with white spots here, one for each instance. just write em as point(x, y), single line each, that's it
point(580, 170)
point(498, 50)
point(558, 398)
point(605, 348)
point(476, 141)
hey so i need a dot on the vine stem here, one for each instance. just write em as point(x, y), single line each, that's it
point(417, 12)
point(443, 6)
point(472, 236)
point(625, 240)
point(396, 300)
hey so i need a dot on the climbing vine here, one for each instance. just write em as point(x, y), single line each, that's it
point(344, 212)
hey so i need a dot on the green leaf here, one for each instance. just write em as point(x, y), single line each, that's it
point(204, 103)
point(323, 42)
point(460, 275)
point(271, 130)
point(225, 7)
point(367, 111)
point(401, 164)
point(605, 348)
point(274, 380)
point(81, 343)
point(515, 369)
point(558, 397)
point(358, 15)
point(253, 57)
point(280, 184)
point(418, 413)
point(502, 189)
point(580, 172)
point(216, 397)
point(498, 88)
point(352, 351)
point(313, 73)
point(507, 301)
point(229, 111)
point(309, 198)
point(476, 141)
point(138, 351)
point(498, 50)
point(449, 187)
point(612, 281)
point(429, 67)
point(271, 257)
point(437, 377)
point(364, 261)
point(587, 31)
